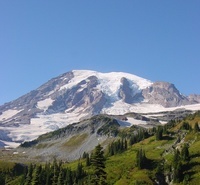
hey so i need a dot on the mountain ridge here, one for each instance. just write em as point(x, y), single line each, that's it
point(80, 94)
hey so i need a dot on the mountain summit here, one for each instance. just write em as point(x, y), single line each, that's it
point(80, 94)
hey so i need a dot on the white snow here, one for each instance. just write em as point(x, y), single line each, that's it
point(109, 82)
point(8, 114)
point(120, 108)
point(10, 144)
point(131, 121)
point(193, 107)
point(41, 125)
point(44, 104)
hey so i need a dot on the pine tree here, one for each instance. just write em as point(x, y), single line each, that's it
point(178, 172)
point(159, 133)
point(176, 157)
point(61, 177)
point(132, 140)
point(178, 167)
point(98, 163)
point(196, 127)
point(36, 176)
point(69, 179)
point(79, 171)
point(140, 158)
point(88, 160)
point(47, 170)
point(125, 145)
point(185, 152)
point(55, 172)
point(29, 175)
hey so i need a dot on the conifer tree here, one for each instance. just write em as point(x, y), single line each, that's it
point(87, 160)
point(178, 167)
point(29, 175)
point(98, 163)
point(159, 133)
point(69, 179)
point(36, 176)
point(196, 127)
point(55, 172)
point(185, 152)
point(79, 171)
point(47, 170)
point(125, 145)
point(132, 140)
point(140, 158)
point(61, 177)
point(178, 172)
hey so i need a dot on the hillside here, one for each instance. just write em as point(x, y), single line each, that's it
point(171, 157)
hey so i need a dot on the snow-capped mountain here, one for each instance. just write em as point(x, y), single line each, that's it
point(80, 94)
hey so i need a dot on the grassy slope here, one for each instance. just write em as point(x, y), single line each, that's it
point(121, 168)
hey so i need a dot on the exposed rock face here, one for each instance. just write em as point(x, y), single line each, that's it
point(125, 92)
point(85, 95)
point(194, 98)
point(27, 104)
point(165, 94)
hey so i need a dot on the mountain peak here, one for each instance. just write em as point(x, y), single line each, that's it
point(80, 94)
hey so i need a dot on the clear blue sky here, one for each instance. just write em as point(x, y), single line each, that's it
point(41, 39)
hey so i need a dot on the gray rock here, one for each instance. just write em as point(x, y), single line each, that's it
point(165, 94)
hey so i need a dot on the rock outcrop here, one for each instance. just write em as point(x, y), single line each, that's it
point(165, 94)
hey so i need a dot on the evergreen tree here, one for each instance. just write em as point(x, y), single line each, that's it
point(178, 172)
point(140, 158)
point(185, 152)
point(176, 157)
point(69, 178)
point(196, 127)
point(132, 140)
point(55, 172)
point(84, 155)
point(178, 167)
point(36, 176)
point(125, 145)
point(79, 172)
point(47, 172)
point(29, 175)
point(98, 163)
point(159, 133)
point(88, 160)
point(140, 135)
point(61, 177)
point(2, 179)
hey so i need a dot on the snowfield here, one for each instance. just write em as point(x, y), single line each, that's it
point(109, 84)
point(44, 104)
point(8, 114)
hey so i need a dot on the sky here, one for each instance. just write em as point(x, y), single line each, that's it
point(157, 40)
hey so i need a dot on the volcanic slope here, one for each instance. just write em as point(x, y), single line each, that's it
point(80, 94)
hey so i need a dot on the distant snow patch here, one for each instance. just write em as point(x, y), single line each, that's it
point(44, 104)
point(131, 121)
point(8, 114)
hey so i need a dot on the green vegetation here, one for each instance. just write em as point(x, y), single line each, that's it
point(75, 140)
point(98, 177)
point(162, 155)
